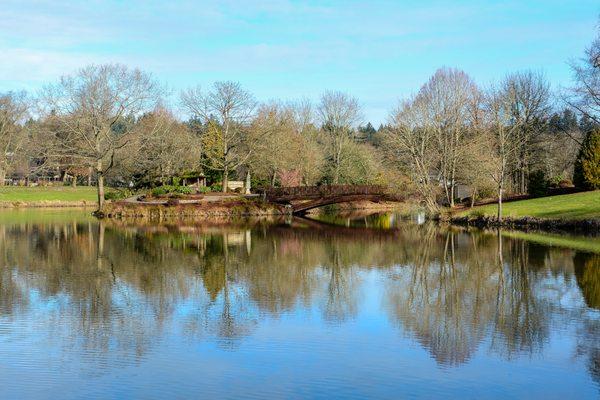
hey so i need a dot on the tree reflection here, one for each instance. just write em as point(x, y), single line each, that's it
point(463, 286)
point(122, 285)
point(587, 273)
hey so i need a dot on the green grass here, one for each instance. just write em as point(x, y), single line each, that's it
point(49, 193)
point(583, 205)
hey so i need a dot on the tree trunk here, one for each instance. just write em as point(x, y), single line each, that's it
point(337, 161)
point(500, 189)
point(100, 191)
point(89, 179)
point(2, 177)
point(248, 183)
point(74, 181)
point(225, 179)
point(100, 174)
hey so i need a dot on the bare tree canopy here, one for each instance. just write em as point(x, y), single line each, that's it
point(584, 95)
point(97, 107)
point(450, 101)
point(14, 110)
point(225, 110)
point(339, 113)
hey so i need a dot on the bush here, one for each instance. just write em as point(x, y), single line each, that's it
point(216, 187)
point(538, 184)
point(170, 189)
point(118, 194)
point(587, 165)
point(477, 214)
point(565, 183)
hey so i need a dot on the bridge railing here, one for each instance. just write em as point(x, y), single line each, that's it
point(310, 192)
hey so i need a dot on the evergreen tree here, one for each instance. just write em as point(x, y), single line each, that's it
point(366, 133)
point(587, 166)
point(586, 124)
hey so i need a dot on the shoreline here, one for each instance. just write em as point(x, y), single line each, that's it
point(243, 208)
point(230, 208)
point(223, 209)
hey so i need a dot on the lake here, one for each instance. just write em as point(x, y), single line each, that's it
point(357, 306)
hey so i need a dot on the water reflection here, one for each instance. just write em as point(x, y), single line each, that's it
point(115, 291)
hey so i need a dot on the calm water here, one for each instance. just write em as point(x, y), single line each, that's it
point(378, 308)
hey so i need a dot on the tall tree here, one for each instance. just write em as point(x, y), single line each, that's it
point(277, 145)
point(14, 110)
point(529, 107)
point(96, 106)
point(226, 111)
point(162, 148)
point(339, 113)
point(584, 95)
point(451, 100)
point(505, 135)
point(411, 146)
point(587, 166)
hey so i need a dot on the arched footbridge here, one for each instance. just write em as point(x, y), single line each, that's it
point(304, 198)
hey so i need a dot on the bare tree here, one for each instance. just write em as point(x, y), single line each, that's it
point(226, 110)
point(97, 106)
point(162, 148)
point(339, 113)
point(530, 97)
point(277, 143)
point(14, 110)
point(285, 147)
point(450, 96)
point(584, 96)
point(505, 135)
point(412, 146)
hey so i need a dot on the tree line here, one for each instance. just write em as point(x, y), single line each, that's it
point(451, 140)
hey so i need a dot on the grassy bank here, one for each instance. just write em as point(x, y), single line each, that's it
point(575, 206)
point(48, 196)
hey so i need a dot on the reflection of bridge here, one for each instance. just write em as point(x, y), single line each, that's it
point(304, 198)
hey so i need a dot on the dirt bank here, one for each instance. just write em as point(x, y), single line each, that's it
point(225, 208)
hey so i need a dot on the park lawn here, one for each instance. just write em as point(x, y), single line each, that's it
point(584, 205)
point(47, 193)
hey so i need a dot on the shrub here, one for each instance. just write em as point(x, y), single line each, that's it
point(477, 214)
point(170, 189)
point(587, 165)
point(565, 183)
point(216, 187)
point(118, 194)
point(538, 184)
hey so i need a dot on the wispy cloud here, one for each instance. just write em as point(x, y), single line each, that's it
point(379, 50)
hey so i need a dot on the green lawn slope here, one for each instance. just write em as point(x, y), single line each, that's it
point(66, 194)
point(584, 205)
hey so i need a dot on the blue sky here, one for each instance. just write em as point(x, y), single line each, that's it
point(378, 51)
